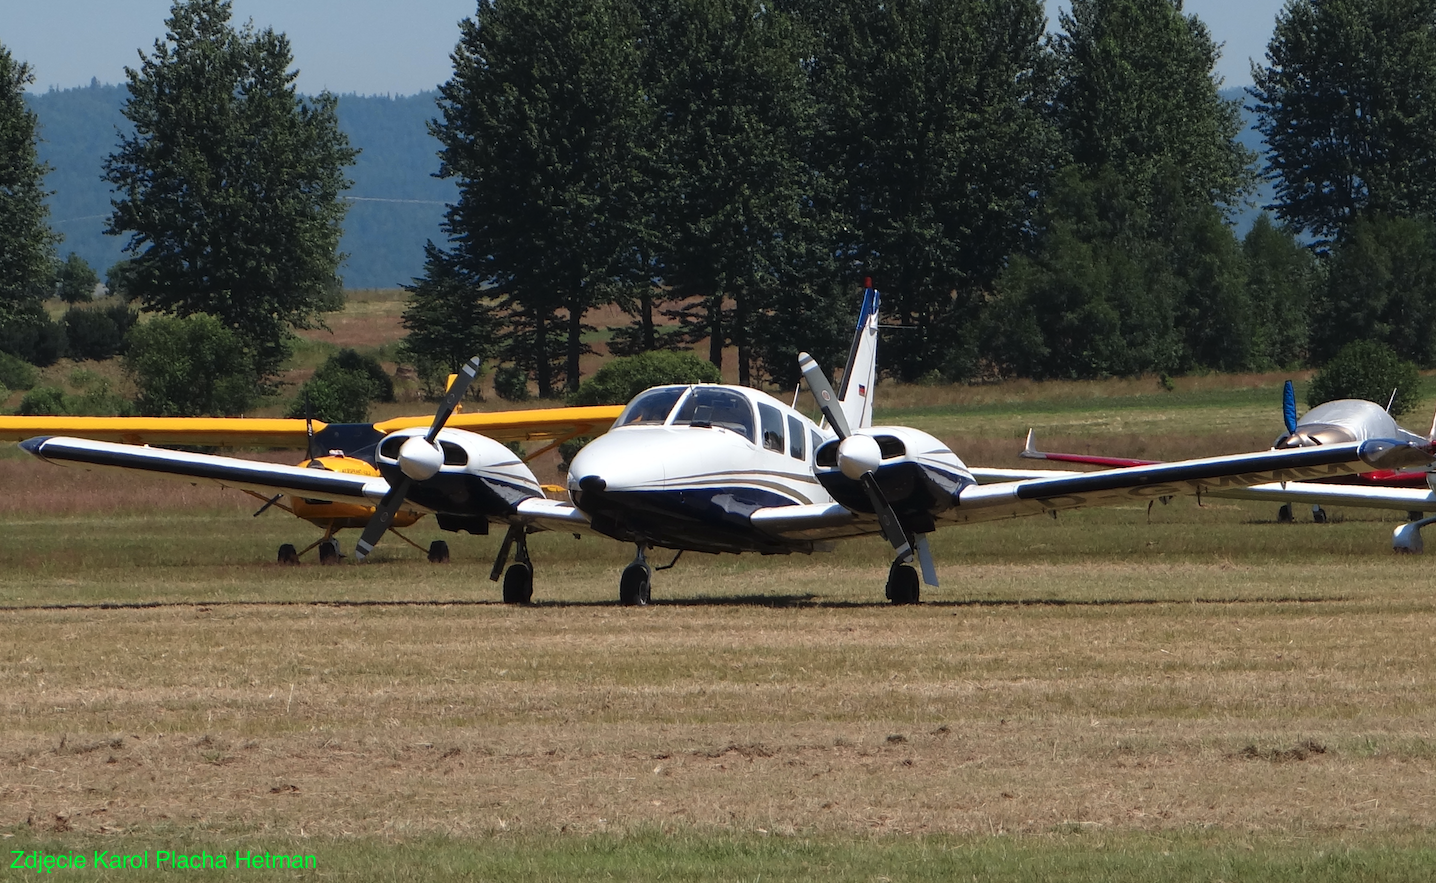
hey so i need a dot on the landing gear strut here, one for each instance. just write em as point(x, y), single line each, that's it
point(903, 584)
point(636, 584)
point(519, 580)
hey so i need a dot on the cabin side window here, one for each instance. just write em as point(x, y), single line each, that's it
point(772, 423)
point(795, 439)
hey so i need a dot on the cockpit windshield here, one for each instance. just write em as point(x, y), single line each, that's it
point(715, 406)
point(651, 408)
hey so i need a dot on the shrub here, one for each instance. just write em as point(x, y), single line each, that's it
point(1367, 369)
point(190, 367)
point(343, 388)
point(511, 383)
point(97, 334)
point(16, 373)
point(621, 379)
point(44, 401)
point(33, 336)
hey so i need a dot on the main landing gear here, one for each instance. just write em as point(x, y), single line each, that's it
point(903, 583)
point(328, 546)
point(519, 580)
point(1284, 515)
point(635, 587)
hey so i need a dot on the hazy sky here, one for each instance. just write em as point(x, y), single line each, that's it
point(377, 47)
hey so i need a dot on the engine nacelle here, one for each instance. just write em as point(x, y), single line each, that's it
point(477, 474)
point(919, 475)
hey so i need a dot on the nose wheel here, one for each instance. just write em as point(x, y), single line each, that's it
point(903, 585)
point(519, 578)
point(636, 584)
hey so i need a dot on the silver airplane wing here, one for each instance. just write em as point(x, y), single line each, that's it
point(230, 472)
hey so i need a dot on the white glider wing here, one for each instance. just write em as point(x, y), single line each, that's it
point(1219, 476)
point(231, 472)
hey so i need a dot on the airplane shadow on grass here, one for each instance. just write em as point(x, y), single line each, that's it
point(804, 601)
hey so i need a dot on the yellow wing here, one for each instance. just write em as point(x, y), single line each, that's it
point(234, 432)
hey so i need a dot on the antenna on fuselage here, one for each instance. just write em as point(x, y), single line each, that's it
point(1391, 401)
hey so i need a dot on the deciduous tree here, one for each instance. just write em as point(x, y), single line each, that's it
point(229, 187)
point(27, 245)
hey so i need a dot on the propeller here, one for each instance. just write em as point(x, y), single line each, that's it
point(1288, 407)
point(419, 459)
point(858, 456)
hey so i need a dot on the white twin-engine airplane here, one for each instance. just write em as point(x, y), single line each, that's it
point(716, 468)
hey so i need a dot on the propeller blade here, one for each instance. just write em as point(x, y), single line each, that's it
point(823, 391)
point(887, 518)
point(382, 518)
point(453, 396)
point(1288, 407)
point(308, 428)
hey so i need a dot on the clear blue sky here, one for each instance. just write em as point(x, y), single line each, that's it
point(376, 47)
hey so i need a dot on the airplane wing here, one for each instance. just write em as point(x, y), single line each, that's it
point(1209, 475)
point(530, 424)
point(1041, 491)
point(230, 472)
point(1401, 499)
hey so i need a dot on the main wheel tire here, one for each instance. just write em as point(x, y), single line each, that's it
point(287, 554)
point(1283, 515)
point(519, 584)
point(1318, 515)
point(903, 585)
point(328, 552)
point(438, 552)
point(635, 586)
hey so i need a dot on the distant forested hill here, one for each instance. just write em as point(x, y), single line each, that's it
point(397, 204)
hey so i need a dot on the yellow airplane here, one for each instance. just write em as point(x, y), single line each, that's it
point(346, 448)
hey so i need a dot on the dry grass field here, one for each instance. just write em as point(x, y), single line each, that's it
point(1195, 694)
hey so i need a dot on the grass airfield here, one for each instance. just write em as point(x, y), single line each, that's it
point(1198, 694)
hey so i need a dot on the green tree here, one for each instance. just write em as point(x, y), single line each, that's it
point(1380, 286)
point(1281, 278)
point(448, 318)
point(734, 190)
point(1345, 105)
point(1135, 269)
point(541, 125)
point(75, 281)
point(1370, 370)
point(27, 245)
point(229, 186)
point(932, 150)
point(189, 367)
point(1136, 95)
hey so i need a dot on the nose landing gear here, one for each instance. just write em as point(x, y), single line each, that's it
point(635, 587)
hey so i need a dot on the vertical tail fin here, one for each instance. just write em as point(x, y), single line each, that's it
point(855, 396)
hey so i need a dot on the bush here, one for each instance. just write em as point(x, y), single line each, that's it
point(16, 373)
point(511, 383)
point(34, 337)
point(621, 379)
point(343, 388)
point(1367, 369)
point(44, 401)
point(98, 334)
point(190, 367)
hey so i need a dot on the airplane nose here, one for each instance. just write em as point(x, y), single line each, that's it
point(592, 483)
